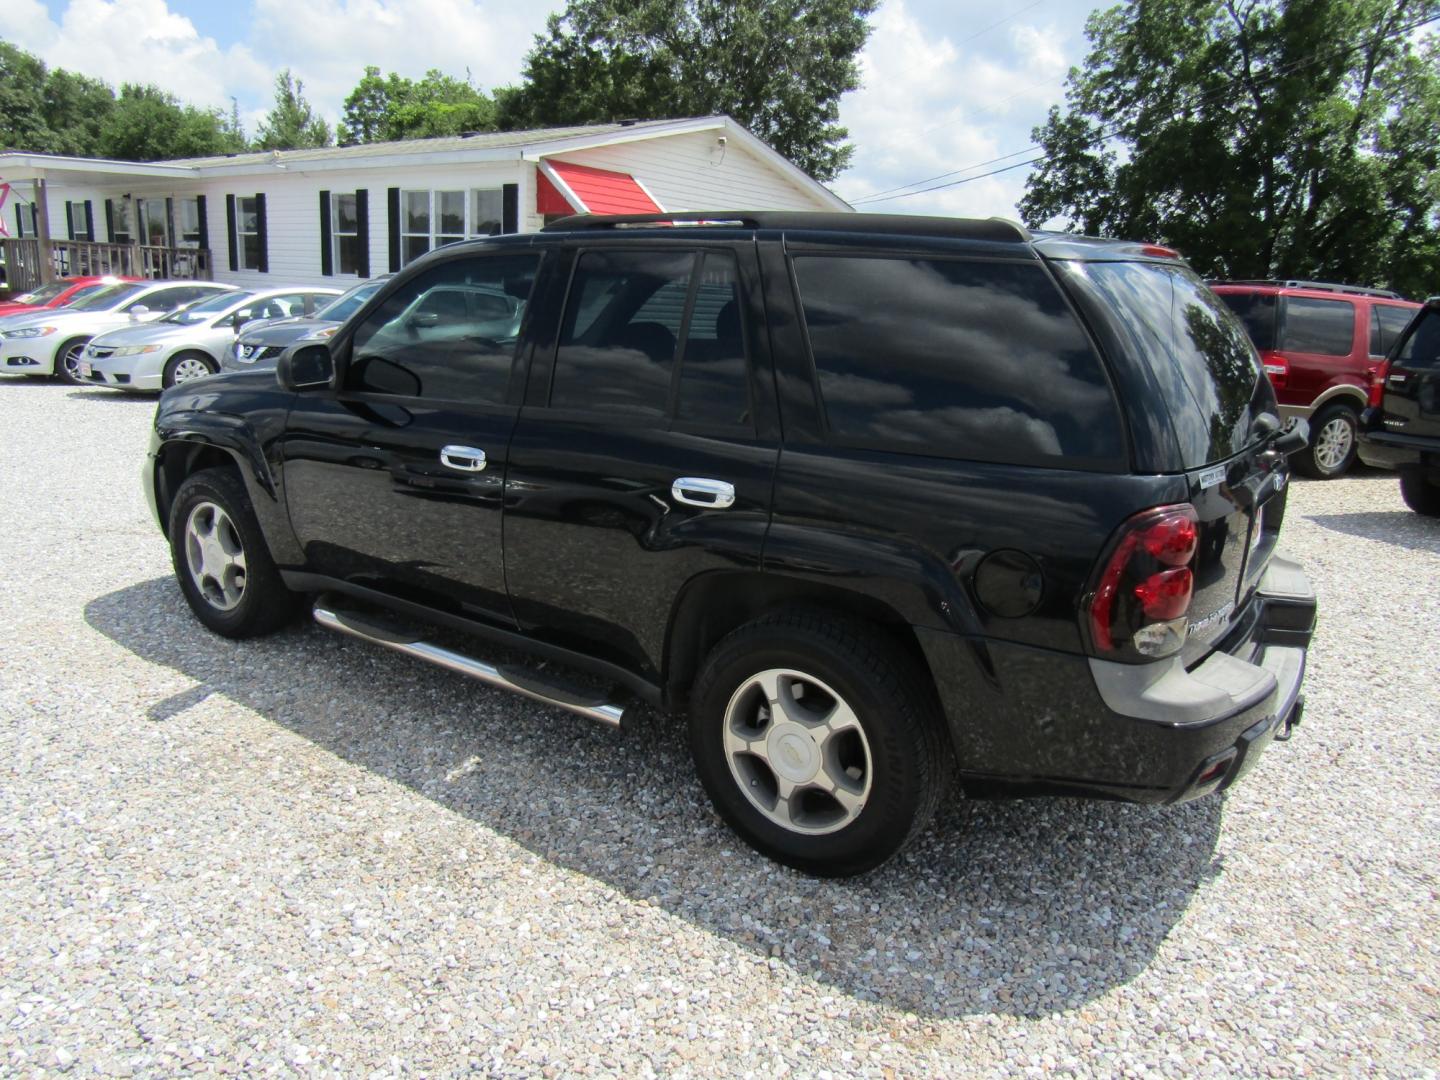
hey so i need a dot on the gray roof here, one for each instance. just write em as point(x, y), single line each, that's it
point(488, 140)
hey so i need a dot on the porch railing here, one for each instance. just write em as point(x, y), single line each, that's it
point(74, 258)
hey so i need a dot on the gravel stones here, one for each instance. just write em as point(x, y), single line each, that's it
point(303, 855)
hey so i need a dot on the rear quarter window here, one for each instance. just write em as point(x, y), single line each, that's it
point(1257, 312)
point(1320, 327)
point(955, 358)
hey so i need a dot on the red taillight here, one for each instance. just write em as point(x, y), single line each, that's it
point(1277, 368)
point(1377, 383)
point(1155, 251)
point(1146, 584)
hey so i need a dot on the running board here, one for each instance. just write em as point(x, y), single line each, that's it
point(371, 628)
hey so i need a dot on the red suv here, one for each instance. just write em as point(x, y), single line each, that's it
point(1320, 345)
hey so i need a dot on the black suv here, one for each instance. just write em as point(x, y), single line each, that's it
point(1401, 428)
point(871, 499)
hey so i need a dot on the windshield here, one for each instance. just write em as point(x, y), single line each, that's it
point(342, 307)
point(1203, 361)
point(204, 309)
point(81, 294)
point(107, 297)
point(44, 294)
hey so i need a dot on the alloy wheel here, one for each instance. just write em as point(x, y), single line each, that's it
point(1333, 443)
point(215, 556)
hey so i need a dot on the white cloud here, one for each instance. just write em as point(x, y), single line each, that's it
point(929, 107)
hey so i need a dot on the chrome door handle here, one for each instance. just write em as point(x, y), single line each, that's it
point(698, 491)
point(464, 458)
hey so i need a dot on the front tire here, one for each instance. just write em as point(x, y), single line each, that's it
point(221, 560)
point(1419, 493)
point(818, 741)
point(183, 367)
point(67, 361)
point(1332, 444)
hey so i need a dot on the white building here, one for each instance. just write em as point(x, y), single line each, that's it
point(322, 216)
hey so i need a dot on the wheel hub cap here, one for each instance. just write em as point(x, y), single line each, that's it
point(793, 753)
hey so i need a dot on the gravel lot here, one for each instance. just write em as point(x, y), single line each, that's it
point(303, 855)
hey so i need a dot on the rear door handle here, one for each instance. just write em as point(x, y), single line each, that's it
point(698, 491)
point(464, 458)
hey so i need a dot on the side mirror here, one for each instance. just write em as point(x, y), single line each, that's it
point(1294, 438)
point(423, 320)
point(137, 311)
point(305, 367)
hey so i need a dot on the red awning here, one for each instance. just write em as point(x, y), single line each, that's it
point(582, 189)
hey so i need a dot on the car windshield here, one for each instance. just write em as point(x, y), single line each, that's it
point(204, 309)
point(81, 294)
point(44, 294)
point(342, 307)
point(109, 296)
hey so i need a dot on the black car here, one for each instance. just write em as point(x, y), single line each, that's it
point(257, 345)
point(1401, 428)
point(872, 500)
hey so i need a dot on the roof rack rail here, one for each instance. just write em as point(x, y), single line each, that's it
point(1321, 286)
point(995, 229)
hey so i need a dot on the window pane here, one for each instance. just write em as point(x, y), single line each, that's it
point(448, 334)
point(617, 343)
point(250, 251)
point(713, 374)
point(975, 360)
point(487, 213)
point(249, 218)
point(440, 240)
point(414, 246)
point(1421, 350)
point(450, 208)
point(347, 251)
point(1324, 327)
point(1392, 320)
point(347, 218)
point(416, 217)
point(1257, 312)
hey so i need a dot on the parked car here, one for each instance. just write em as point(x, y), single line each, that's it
point(257, 346)
point(188, 343)
point(868, 498)
point(53, 342)
point(1401, 428)
point(1320, 344)
point(58, 294)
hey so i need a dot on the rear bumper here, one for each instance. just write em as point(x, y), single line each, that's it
point(1041, 722)
point(1391, 450)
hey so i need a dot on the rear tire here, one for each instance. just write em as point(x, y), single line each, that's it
point(1332, 446)
point(818, 741)
point(1419, 493)
point(221, 560)
point(67, 361)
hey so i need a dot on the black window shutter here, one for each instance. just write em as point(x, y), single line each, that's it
point(19, 221)
point(327, 258)
point(110, 220)
point(170, 238)
point(69, 220)
point(89, 220)
point(261, 228)
point(362, 229)
point(234, 236)
point(393, 197)
point(203, 220)
point(510, 208)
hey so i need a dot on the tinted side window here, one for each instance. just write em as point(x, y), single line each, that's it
point(446, 334)
point(978, 360)
point(619, 334)
point(714, 388)
point(1257, 312)
point(1389, 321)
point(1324, 327)
point(1421, 350)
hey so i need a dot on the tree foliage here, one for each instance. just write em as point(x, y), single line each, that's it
point(53, 111)
point(384, 109)
point(1264, 138)
point(776, 66)
point(292, 124)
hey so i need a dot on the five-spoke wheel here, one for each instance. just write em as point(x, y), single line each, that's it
point(215, 556)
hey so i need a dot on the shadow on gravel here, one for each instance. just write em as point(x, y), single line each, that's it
point(1024, 908)
point(99, 393)
point(1405, 529)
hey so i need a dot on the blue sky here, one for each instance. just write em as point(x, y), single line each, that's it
point(948, 86)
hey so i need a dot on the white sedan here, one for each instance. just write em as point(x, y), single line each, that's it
point(52, 342)
point(188, 344)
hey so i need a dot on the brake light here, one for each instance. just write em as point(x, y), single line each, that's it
point(1277, 368)
point(1155, 251)
point(1377, 382)
point(1143, 592)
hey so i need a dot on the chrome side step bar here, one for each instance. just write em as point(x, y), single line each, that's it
point(331, 616)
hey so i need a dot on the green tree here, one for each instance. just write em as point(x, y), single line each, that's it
point(149, 124)
point(1290, 138)
point(292, 124)
point(77, 107)
point(23, 124)
point(382, 109)
point(776, 66)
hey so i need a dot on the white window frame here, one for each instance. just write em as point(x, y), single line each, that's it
point(187, 239)
point(79, 221)
point(336, 233)
point(241, 233)
point(122, 214)
point(433, 237)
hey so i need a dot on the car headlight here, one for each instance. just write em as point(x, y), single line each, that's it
point(135, 350)
point(30, 332)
